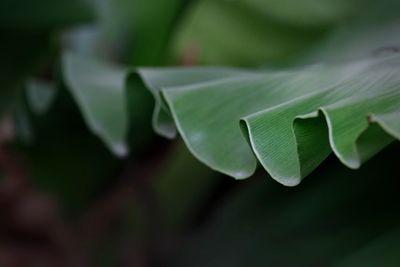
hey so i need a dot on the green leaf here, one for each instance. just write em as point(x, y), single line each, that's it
point(43, 14)
point(306, 13)
point(155, 80)
point(151, 36)
point(288, 121)
point(216, 32)
point(283, 113)
point(358, 40)
point(99, 90)
point(292, 119)
point(40, 95)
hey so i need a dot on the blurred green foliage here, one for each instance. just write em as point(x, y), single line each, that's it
point(172, 210)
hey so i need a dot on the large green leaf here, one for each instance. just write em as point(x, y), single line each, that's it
point(282, 116)
point(289, 120)
point(230, 119)
point(100, 91)
point(294, 118)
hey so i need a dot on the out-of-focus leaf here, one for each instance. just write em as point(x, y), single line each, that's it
point(134, 32)
point(374, 30)
point(120, 22)
point(359, 40)
point(99, 90)
point(40, 95)
point(232, 33)
point(153, 23)
point(254, 32)
point(305, 13)
point(22, 124)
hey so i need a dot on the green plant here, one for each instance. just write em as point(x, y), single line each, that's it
point(299, 84)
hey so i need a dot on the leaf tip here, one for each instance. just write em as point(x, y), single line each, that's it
point(120, 150)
